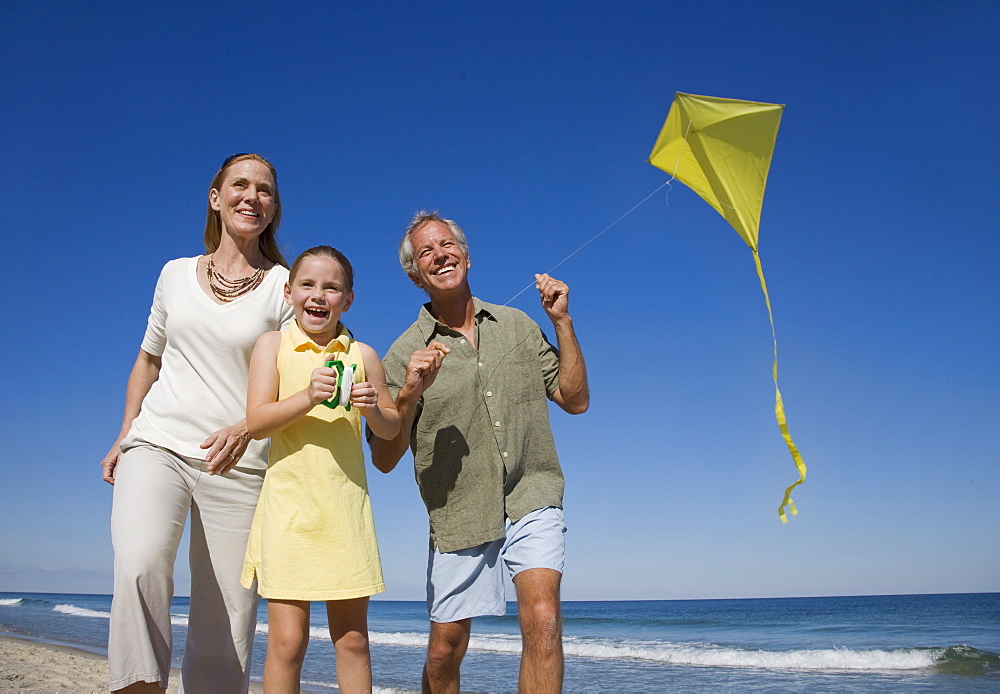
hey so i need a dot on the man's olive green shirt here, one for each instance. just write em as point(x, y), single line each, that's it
point(481, 441)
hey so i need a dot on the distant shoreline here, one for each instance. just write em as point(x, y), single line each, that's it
point(423, 600)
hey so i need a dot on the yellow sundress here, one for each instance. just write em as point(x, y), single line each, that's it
point(313, 536)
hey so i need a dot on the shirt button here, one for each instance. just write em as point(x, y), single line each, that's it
point(480, 363)
point(505, 454)
point(489, 393)
point(497, 423)
point(462, 341)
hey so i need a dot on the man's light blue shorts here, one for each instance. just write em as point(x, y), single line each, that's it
point(469, 582)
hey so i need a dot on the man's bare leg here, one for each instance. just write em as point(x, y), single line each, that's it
point(540, 615)
point(446, 647)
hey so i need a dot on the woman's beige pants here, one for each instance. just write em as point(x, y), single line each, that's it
point(154, 490)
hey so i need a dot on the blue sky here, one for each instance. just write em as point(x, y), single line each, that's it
point(530, 124)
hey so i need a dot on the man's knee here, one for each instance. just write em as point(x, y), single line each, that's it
point(446, 646)
point(443, 651)
point(539, 608)
point(541, 622)
point(538, 591)
point(441, 656)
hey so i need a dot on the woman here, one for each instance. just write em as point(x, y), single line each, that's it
point(184, 445)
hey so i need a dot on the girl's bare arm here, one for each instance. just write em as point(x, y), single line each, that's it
point(372, 398)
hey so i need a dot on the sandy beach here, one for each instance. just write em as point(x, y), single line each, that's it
point(29, 666)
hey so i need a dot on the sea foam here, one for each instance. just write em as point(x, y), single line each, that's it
point(704, 654)
point(693, 654)
point(176, 620)
point(416, 640)
point(710, 655)
point(80, 611)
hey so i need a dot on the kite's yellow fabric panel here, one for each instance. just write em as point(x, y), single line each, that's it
point(721, 149)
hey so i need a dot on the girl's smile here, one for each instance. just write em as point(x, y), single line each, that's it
point(318, 294)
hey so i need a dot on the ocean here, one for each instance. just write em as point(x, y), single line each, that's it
point(948, 643)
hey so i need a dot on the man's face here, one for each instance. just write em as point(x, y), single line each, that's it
point(441, 264)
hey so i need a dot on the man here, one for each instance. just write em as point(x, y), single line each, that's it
point(470, 381)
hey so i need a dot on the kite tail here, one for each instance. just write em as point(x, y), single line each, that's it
point(779, 408)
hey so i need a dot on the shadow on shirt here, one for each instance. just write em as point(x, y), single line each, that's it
point(438, 479)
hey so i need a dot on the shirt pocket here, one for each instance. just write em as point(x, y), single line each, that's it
point(523, 376)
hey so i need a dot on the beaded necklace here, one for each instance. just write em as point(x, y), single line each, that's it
point(225, 289)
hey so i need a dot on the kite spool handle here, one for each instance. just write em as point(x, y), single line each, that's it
point(345, 382)
point(345, 385)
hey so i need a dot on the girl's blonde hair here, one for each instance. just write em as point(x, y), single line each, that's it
point(329, 252)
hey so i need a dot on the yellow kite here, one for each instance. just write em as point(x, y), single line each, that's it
point(721, 149)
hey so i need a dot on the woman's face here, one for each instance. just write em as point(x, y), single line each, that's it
point(245, 199)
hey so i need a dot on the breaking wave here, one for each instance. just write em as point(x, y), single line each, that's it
point(954, 660)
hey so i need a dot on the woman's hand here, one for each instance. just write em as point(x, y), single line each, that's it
point(110, 462)
point(145, 372)
point(226, 447)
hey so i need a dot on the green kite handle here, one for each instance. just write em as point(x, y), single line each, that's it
point(343, 391)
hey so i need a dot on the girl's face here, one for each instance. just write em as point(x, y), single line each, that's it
point(318, 294)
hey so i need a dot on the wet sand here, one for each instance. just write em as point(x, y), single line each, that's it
point(30, 666)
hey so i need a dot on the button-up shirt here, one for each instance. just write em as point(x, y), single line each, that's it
point(481, 441)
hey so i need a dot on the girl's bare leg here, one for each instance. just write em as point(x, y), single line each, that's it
point(287, 640)
point(349, 632)
point(142, 688)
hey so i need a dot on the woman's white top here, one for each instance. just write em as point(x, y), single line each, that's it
point(205, 349)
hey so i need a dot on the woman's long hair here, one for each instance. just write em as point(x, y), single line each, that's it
point(268, 239)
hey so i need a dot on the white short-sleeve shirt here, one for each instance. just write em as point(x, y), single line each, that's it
point(205, 349)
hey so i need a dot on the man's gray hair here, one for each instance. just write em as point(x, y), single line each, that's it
point(419, 219)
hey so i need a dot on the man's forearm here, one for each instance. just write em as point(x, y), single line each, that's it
point(386, 453)
point(574, 391)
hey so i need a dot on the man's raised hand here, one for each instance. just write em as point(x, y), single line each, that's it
point(424, 366)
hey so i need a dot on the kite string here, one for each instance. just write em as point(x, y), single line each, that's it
point(592, 239)
point(666, 185)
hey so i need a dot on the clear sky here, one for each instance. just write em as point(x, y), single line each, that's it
point(530, 124)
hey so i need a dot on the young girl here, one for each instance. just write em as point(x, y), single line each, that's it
point(313, 537)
